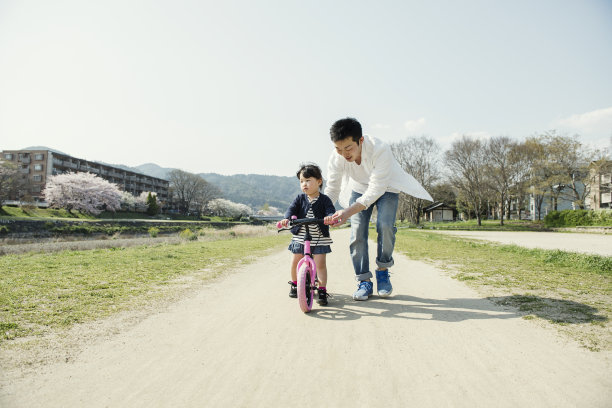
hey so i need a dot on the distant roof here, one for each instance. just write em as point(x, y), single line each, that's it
point(45, 148)
point(436, 205)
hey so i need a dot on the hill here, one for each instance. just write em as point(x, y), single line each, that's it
point(254, 190)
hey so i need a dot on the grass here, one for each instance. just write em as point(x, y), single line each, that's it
point(38, 213)
point(567, 289)
point(486, 225)
point(48, 292)
point(33, 213)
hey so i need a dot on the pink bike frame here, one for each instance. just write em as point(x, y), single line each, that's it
point(310, 261)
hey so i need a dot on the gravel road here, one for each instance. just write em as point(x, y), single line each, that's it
point(598, 244)
point(242, 342)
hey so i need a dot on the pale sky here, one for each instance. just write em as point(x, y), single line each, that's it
point(253, 86)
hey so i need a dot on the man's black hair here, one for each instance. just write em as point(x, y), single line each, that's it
point(343, 128)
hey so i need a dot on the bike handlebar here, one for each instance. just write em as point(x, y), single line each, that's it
point(303, 221)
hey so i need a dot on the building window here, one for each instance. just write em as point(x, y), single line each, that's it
point(8, 156)
point(37, 177)
point(36, 189)
point(38, 167)
point(39, 156)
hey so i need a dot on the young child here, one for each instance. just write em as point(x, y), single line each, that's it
point(311, 204)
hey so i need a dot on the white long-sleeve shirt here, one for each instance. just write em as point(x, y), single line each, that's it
point(378, 173)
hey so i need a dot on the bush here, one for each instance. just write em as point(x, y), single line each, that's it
point(573, 218)
point(153, 232)
point(4, 229)
point(188, 235)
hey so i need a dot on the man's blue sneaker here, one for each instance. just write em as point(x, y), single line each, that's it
point(364, 291)
point(383, 284)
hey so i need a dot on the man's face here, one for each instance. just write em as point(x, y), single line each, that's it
point(349, 149)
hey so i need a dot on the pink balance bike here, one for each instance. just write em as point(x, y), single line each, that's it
point(306, 267)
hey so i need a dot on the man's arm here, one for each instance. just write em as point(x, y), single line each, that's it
point(377, 185)
point(341, 216)
point(381, 176)
point(335, 173)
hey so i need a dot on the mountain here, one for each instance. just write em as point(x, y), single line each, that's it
point(254, 190)
point(43, 148)
point(154, 170)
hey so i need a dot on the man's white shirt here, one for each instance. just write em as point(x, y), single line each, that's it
point(378, 173)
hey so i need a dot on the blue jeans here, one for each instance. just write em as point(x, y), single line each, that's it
point(386, 206)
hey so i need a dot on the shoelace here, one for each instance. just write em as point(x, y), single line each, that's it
point(326, 294)
point(384, 279)
point(364, 285)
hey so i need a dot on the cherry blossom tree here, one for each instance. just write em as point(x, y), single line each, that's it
point(268, 211)
point(83, 192)
point(128, 201)
point(226, 208)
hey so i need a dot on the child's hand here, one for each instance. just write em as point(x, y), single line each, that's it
point(284, 223)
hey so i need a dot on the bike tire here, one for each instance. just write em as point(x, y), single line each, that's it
point(305, 291)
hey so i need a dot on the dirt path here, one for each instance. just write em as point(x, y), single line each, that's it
point(598, 244)
point(242, 342)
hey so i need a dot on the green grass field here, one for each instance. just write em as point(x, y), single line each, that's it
point(49, 292)
point(563, 288)
point(8, 212)
point(509, 225)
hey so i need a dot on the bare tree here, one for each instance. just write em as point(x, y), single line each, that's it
point(191, 191)
point(420, 157)
point(520, 162)
point(467, 162)
point(500, 170)
point(207, 193)
point(536, 156)
point(9, 180)
point(561, 167)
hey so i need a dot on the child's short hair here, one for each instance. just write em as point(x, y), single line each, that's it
point(309, 170)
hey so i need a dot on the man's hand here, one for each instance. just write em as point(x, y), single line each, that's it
point(341, 216)
point(338, 218)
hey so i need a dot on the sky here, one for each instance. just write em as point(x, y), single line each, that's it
point(238, 87)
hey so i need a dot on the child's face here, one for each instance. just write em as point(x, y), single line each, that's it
point(310, 185)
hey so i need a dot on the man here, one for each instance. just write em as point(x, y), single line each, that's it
point(362, 173)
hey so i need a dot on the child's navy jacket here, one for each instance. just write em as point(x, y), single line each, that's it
point(321, 208)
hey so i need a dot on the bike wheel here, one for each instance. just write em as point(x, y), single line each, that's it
point(305, 290)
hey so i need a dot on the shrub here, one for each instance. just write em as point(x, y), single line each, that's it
point(153, 232)
point(573, 218)
point(4, 229)
point(188, 235)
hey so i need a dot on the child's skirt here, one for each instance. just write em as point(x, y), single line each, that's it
point(297, 248)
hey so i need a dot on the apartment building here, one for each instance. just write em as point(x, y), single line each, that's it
point(600, 195)
point(38, 165)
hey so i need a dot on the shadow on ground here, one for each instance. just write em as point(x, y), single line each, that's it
point(555, 310)
point(343, 307)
